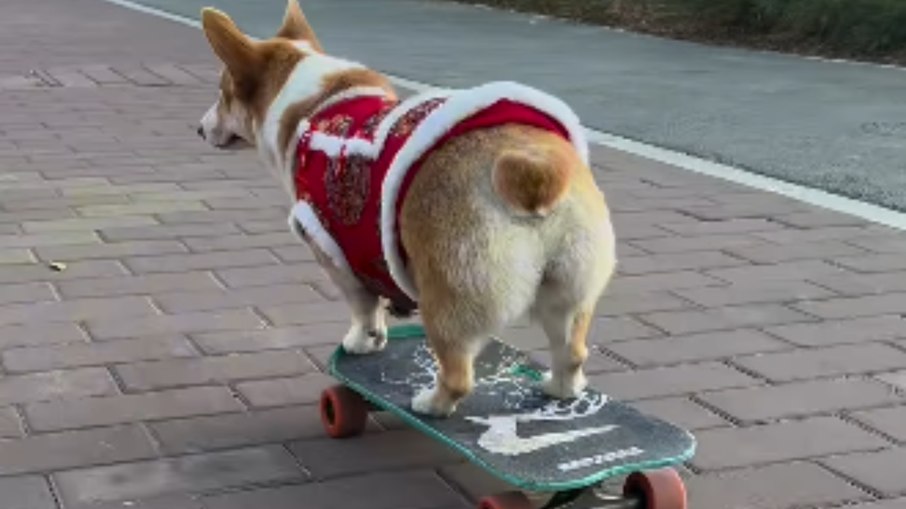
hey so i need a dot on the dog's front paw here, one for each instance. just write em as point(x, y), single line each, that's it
point(426, 403)
point(360, 341)
point(565, 387)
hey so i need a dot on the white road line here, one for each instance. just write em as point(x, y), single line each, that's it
point(817, 197)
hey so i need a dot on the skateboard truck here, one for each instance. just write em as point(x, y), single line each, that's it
point(651, 489)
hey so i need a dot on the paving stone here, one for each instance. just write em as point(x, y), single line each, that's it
point(792, 440)
point(232, 242)
point(829, 332)
point(799, 270)
point(155, 375)
point(255, 227)
point(698, 243)
point(615, 305)
point(40, 334)
point(848, 307)
point(816, 218)
point(43, 358)
point(100, 411)
point(423, 490)
point(597, 362)
point(670, 381)
point(606, 330)
point(897, 379)
point(138, 285)
point(873, 262)
point(222, 431)
point(192, 473)
point(728, 226)
point(673, 262)
point(306, 313)
point(899, 503)
point(800, 399)
point(72, 383)
point(305, 389)
point(297, 294)
point(77, 448)
point(86, 223)
point(169, 231)
point(374, 452)
point(864, 284)
point(823, 362)
point(768, 253)
point(180, 501)
point(241, 277)
point(680, 412)
point(791, 235)
point(473, 480)
point(110, 250)
point(724, 318)
point(27, 292)
point(26, 492)
point(174, 324)
point(10, 427)
point(294, 254)
point(224, 216)
point(886, 420)
point(882, 243)
point(199, 261)
point(706, 346)
point(276, 338)
point(13, 256)
point(662, 281)
point(881, 470)
point(76, 270)
point(783, 486)
point(75, 310)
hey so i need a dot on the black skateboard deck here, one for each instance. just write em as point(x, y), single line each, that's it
point(508, 426)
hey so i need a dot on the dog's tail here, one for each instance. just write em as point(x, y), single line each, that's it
point(534, 179)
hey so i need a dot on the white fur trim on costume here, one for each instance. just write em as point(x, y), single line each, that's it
point(304, 217)
point(458, 107)
point(333, 146)
point(304, 125)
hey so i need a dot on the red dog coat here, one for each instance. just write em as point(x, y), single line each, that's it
point(356, 158)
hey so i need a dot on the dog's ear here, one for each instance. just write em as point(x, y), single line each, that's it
point(295, 26)
point(236, 50)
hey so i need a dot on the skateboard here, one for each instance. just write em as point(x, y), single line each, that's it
point(511, 429)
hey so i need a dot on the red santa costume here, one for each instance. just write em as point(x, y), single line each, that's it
point(356, 157)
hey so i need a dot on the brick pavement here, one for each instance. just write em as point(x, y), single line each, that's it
point(175, 361)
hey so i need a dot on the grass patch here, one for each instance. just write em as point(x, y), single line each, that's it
point(862, 29)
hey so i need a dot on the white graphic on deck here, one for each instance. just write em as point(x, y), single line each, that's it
point(502, 436)
point(600, 459)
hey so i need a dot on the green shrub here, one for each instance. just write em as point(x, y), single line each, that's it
point(872, 28)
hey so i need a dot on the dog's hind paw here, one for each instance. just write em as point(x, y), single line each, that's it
point(425, 402)
point(566, 387)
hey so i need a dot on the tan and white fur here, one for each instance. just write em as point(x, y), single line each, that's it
point(498, 222)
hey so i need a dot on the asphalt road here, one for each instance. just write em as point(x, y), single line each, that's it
point(834, 126)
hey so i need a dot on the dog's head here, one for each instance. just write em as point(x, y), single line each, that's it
point(254, 73)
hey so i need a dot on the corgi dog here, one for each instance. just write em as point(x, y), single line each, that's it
point(474, 207)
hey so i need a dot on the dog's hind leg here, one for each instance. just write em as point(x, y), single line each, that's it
point(567, 331)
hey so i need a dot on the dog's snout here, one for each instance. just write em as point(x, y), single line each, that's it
point(200, 132)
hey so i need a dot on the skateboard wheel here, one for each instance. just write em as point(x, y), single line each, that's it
point(656, 489)
point(343, 412)
point(507, 500)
